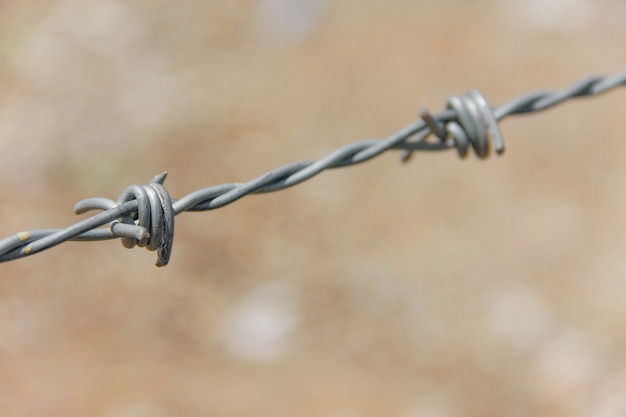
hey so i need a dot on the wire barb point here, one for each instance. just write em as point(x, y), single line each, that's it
point(437, 128)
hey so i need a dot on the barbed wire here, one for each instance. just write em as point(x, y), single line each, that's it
point(144, 214)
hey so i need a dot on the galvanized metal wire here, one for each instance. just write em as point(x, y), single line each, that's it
point(144, 214)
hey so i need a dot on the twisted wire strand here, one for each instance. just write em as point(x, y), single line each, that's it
point(144, 214)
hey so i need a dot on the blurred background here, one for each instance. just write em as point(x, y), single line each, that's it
point(438, 288)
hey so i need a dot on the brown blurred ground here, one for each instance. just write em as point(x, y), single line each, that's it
point(440, 288)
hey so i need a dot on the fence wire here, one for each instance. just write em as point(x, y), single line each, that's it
point(144, 214)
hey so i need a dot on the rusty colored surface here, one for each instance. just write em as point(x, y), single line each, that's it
point(488, 288)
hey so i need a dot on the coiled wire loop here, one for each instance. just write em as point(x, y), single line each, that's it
point(475, 124)
point(150, 226)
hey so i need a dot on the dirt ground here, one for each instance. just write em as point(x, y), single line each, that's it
point(438, 288)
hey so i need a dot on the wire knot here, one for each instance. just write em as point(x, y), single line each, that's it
point(474, 125)
point(151, 225)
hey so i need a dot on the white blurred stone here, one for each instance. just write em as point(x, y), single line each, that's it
point(549, 16)
point(288, 21)
point(566, 366)
point(258, 328)
point(609, 399)
point(518, 318)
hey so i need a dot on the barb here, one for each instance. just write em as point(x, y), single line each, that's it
point(144, 214)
